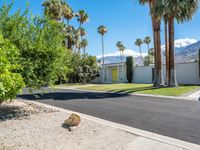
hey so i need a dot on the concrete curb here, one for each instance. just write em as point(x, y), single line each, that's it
point(145, 134)
point(134, 94)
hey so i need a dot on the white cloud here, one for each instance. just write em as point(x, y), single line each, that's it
point(127, 52)
point(182, 43)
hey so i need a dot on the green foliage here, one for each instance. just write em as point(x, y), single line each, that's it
point(44, 59)
point(129, 70)
point(149, 59)
point(11, 82)
point(84, 68)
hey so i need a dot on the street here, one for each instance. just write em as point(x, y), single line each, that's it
point(178, 119)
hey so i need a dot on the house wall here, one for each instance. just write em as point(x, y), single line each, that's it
point(187, 73)
point(142, 74)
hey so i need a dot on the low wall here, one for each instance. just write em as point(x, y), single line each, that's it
point(187, 73)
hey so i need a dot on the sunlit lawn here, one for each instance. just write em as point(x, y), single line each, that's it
point(141, 88)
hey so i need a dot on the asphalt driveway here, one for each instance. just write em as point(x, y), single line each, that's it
point(178, 119)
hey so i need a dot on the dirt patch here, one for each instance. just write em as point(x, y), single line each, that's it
point(21, 110)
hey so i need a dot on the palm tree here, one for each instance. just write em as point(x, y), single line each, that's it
point(139, 43)
point(147, 41)
point(76, 40)
point(166, 48)
point(53, 9)
point(156, 23)
point(82, 32)
point(82, 17)
point(70, 36)
point(84, 44)
point(121, 48)
point(68, 13)
point(102, 30)
point(181, 11)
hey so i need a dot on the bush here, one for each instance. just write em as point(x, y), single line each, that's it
point(129, 70)
point(11, 82)
point(44, 59)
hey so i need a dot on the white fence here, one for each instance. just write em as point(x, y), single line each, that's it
point(187, 73)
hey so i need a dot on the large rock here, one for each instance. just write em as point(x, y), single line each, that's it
point(73, 120)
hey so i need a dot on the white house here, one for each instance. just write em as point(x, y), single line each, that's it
point(113, 73)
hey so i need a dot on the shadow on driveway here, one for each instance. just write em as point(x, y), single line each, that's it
point(69, 95)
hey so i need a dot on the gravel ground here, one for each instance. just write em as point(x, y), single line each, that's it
point(44, 131)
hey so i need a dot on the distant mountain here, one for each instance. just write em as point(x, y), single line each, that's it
point(189, 53)
point(183, 54)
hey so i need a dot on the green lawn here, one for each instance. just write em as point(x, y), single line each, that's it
point(141, 88)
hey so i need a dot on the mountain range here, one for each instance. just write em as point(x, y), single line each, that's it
point(184, 54)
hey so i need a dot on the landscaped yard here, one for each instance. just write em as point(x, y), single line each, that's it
point(141, 88)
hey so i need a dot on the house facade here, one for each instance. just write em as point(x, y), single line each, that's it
point(113, 73)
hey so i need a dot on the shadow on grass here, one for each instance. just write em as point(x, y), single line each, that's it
point(133, 90)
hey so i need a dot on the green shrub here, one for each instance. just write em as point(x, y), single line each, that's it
point(129, 68)
point(11, 82)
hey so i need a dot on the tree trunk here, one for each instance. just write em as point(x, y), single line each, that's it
point(140, 51)
point(159, 77)
point(166, 50)
point(155, 52)
point(172, 73)
point(103, 56)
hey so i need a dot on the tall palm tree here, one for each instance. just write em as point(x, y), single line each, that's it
point(147, 41)
point(82, 17)
point(166, 48)
point(139, 43)
point(53, 9)
point(70, 36)
point(84, 44)
point(121, 48)
point(156, 23)
point(102, 30)
point(82, 32)
point(181, 11)
point(68, 13)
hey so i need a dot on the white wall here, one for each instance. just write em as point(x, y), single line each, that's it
point(142, 74)
point(187, 73)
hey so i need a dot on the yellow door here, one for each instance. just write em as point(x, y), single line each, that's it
point(115, 75)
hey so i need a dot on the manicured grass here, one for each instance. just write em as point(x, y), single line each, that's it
point(141, 88)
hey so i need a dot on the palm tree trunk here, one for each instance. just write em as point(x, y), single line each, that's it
point(159, 77)
point(172, 73)
point(166, 50)
point(103, 55)
point(140, 51)
point(155, 49)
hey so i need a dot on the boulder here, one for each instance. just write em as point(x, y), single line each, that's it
point(73, 120)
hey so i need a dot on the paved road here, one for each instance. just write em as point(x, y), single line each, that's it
point(174, 118)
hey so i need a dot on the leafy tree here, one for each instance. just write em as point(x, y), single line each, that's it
point(44, 59)
point(11, 82)
point(148, 60)
point(129, 68)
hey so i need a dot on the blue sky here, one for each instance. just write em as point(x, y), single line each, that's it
point(126, 20)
